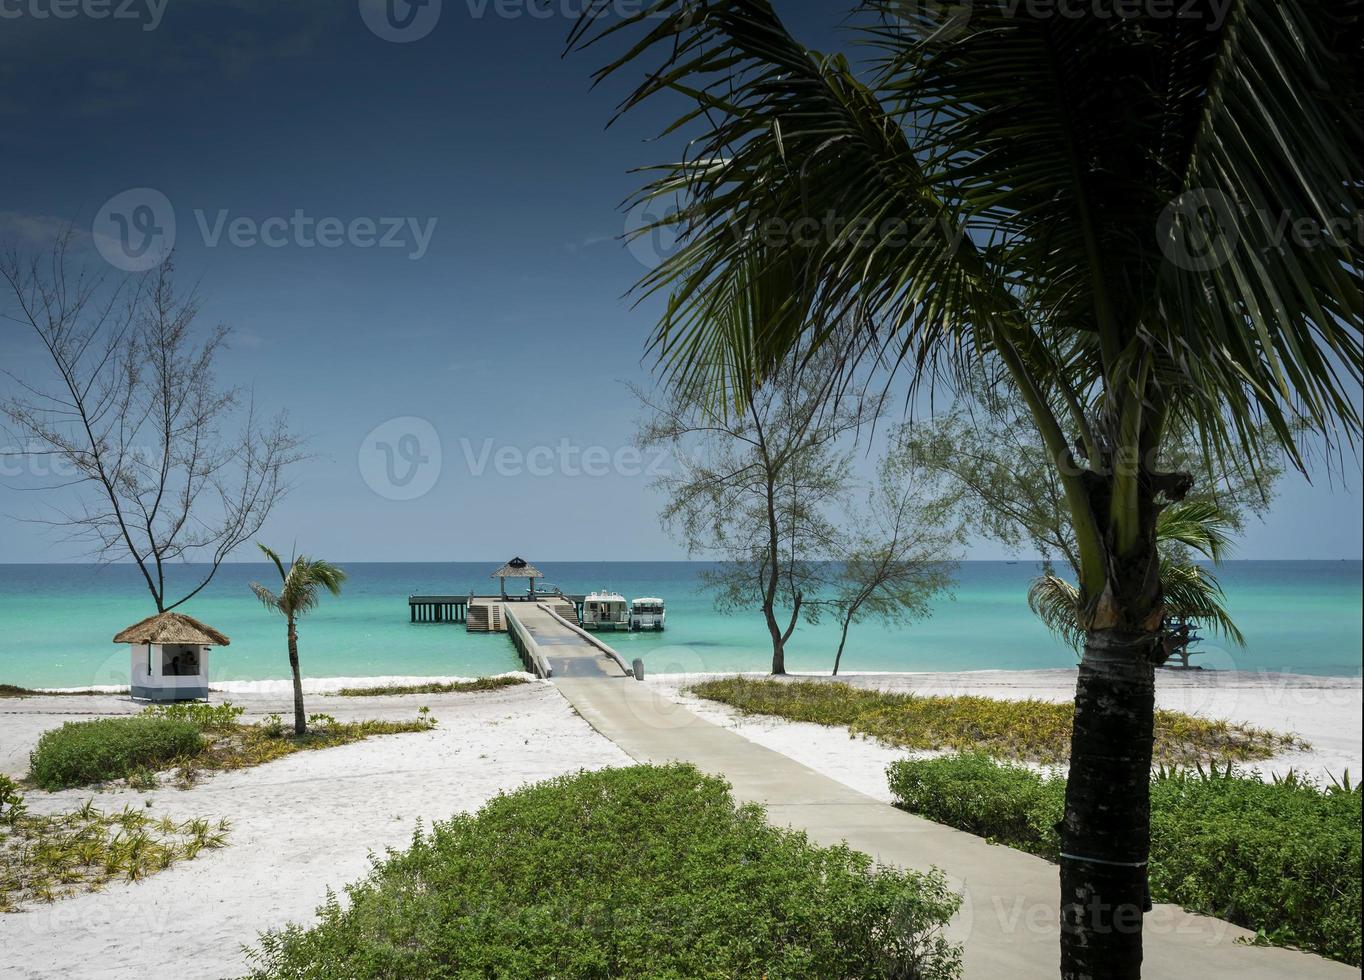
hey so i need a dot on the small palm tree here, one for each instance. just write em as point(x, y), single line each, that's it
point(298, 595)
point(1192, 592)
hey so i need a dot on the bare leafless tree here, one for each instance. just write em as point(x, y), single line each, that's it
point(160, 464)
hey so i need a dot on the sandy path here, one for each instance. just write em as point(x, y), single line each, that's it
point(1324, 710)
point(299, 825)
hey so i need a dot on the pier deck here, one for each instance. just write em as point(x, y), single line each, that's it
point(551, 646)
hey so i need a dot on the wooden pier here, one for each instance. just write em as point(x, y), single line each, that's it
point(544, 625)
point(438, 608)
point(456, 608)
point(550, 645)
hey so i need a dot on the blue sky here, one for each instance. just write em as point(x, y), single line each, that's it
point(505, 332)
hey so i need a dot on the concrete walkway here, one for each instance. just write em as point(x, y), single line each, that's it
point(1008, 922)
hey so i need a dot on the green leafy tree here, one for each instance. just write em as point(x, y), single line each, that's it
point(299, 593)
point(754, 489)
point(1105, 208)
point(900, 554)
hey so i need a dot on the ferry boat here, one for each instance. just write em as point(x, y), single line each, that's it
point(605, 611)
point(646, 614)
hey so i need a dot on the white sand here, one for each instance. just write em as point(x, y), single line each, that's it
point(1326, 711)
point(299, 825)
point(307, 822)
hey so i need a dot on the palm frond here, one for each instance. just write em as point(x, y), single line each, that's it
point(1057, 603)
point(1200, 524)
point(1193, 593)
point(788, 140)
point(267, 598)
point(301, 582)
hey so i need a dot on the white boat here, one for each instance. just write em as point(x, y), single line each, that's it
point(605, 611)
point(646, 613)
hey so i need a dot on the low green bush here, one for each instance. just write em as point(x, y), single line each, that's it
point(638, 872)
point(12, 805)
point(203, 716)
point(1026, 730)
point(1281, 858)
point(1009, 804)
point(83, 752)
point(477, 685)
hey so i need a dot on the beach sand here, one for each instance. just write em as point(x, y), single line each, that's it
point(300, 825)
point(306, 823)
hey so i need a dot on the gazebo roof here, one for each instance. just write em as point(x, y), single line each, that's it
point(518, 568)
point(172, 627)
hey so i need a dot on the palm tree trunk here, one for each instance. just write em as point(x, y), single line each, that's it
point(300, 719)
point(1105, 834)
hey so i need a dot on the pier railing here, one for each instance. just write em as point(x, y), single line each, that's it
point(455, 608)
point(530, 655)
point(620, 661)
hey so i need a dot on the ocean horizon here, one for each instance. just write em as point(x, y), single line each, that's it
point(57, 622)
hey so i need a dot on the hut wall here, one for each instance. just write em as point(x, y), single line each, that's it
point(153, 678)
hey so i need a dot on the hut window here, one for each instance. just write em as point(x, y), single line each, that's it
point(180, 662)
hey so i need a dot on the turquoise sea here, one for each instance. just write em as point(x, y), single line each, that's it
point(57, 621)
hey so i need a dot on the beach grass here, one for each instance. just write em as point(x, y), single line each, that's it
point(1026, 731)
point(1281, 858)
point(47, 857)
point(15, 691)
point(454, 687)
point(645, 871)
point(187, 740)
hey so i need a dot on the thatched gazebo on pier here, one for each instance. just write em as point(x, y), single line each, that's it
point(170, 656)
point(517, 568)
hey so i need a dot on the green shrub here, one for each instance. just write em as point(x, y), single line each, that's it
point(1028, 730)
point(1005, 803)
point(12, 805)
point(1282, 858)
point(205, 717)
point(82, 752)
point(638, 872)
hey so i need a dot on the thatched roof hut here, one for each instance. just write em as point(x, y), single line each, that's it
point(172, 628)
point(518, 568)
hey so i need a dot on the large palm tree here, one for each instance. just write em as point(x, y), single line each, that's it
point(1107, 207)
point(298, 594)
